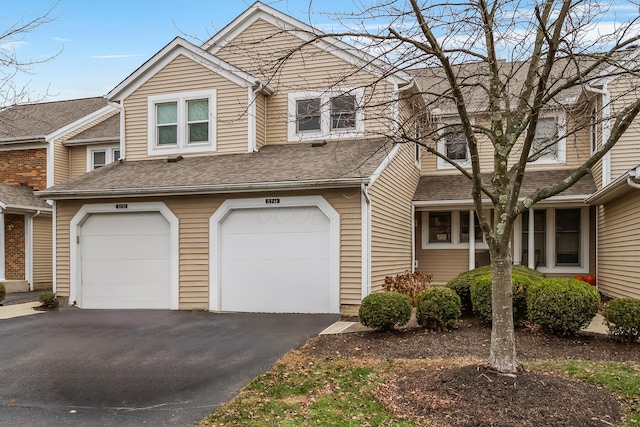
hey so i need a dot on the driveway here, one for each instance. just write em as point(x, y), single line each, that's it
point(117, 368)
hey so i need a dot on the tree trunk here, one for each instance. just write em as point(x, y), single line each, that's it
point(503, 345)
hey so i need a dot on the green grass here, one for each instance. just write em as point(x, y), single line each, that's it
point(301, 391)
point(620, 379)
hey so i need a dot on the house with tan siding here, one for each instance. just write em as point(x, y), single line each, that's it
point(221, 178)
point(33, 157)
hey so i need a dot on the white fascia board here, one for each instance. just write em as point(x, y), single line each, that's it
point(385, 162)
point(616, 188)
point(577, 200)
point(167, 54)
point(24, 208)
point(306, 33)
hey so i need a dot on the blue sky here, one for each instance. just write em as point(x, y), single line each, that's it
point(101, 42)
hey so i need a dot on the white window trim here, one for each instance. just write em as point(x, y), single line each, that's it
point(455, 232)
point(325, 115)
point(593, 140)
point(550, 248)
point(182, 146)
point(109, 151)
point(561, 125)
point(443, 164)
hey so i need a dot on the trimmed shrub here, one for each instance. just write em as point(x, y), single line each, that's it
point(462, 283)
point(438, 308)
point(3, 292)
point(622, 317)
point(385, 310)
point(408, 283)
point(562, 306)
point(47, 298)
point(481, 297)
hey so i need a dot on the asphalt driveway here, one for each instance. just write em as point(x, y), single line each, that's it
point(118, 368)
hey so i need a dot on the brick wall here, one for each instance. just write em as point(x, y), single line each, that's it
point(14, 246)
point(24, 166)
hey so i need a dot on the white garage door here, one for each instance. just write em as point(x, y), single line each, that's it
point(275, 260)
point(124, 261)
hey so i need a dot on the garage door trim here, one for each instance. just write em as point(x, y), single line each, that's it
point(122, 208)
point(215, 223)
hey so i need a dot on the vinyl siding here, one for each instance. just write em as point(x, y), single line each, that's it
point(619, 247)
point(194, 212)
point(61, 157)
point(42, 252)
point(77, 161)
point(392, 217)
point(184, 75)
point(577, 150)
point(626, 153)
point(258, 51)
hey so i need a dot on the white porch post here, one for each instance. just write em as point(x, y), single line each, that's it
point(531, 254)
point(472, 240)
point(2, 264)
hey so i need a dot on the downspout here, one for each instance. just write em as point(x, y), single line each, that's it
point(606, 131)
point(28, 265)
point(253, 119)
point(366, 240)
point(122, 127)
point(606, 160)
point(636, 174)
point(395, 109)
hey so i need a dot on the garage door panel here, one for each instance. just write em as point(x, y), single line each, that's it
point(276, 246)
point(299, 219)
point(125, 247)
point(276, 260)
point(124, 261)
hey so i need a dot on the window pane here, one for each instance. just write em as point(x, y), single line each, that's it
point(546, 131)
point(167, 113)
point(167, 135)
point(439, 227)
point(464, 227)
point(568, 236)
point(116, 155)
point(198, 110)
point(455, 143)
point(539, 238)
point(99, 159)
point(343, 112)
point(199, 132)
point(308, 115)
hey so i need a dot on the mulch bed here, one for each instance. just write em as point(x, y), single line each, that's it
point(472, 396)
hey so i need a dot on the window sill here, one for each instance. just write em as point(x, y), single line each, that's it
point(164, 151)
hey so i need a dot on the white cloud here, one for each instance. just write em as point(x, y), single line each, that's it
point(61, 39)
point(12, 45)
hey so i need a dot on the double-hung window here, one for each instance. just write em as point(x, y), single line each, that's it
point(325, 115)
point(182, 123)
point(101, 155)
point(548, 145)
point(451, 229)
point(452, 143)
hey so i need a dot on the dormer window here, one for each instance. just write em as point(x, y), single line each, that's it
point(101, 155)
point(453, 144)
point(549, 142)
point(182, 123)
point(325, 115)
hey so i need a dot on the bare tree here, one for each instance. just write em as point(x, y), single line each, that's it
point(520, 59)
point(11, 64)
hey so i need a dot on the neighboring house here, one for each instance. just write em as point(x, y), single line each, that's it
point(32, 157)
point(241, 189)
point(250, 184)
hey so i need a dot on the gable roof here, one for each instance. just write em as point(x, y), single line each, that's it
point(305, 32)
point(180, 46)
point(452, 189)
point(20, 198)
point(106, 131)
point(34, 122)
point(291, 166)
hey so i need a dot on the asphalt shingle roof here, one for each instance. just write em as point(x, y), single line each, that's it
point(298, 164)
point(14, 196)
point(448, 188)
point(34, 121)
point(106, 129)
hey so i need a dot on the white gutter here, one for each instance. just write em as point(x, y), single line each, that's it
point(395, 109)
point(200, 189)
point(366, 240)
point(577, 199)
point(636, 174)
point(122, 128)
point(606, 130)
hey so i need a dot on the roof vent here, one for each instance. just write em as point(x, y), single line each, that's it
point(174, 159)
point(319, 143)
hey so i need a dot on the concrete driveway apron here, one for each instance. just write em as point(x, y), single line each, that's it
point(132, 367)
